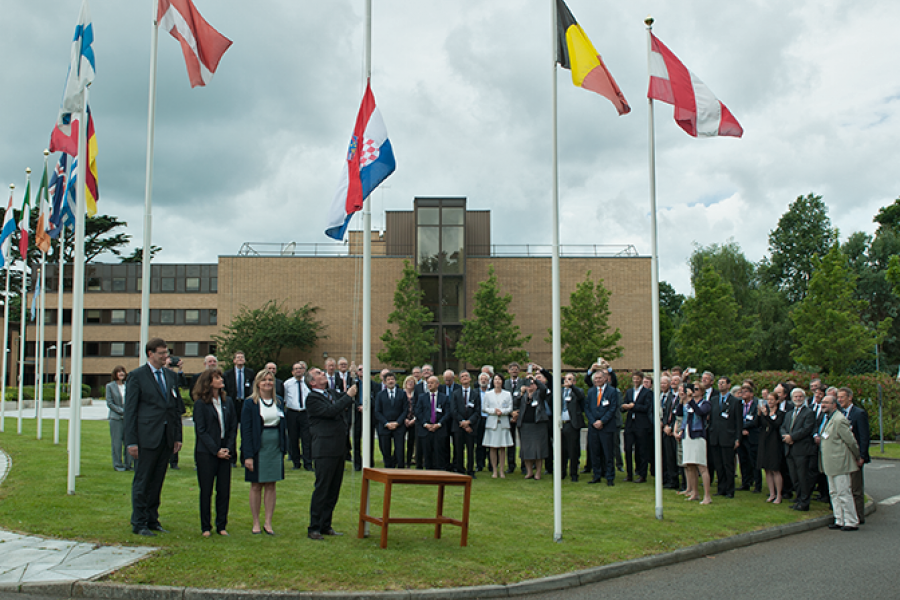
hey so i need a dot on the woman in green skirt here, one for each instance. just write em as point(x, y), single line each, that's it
point(263, 445)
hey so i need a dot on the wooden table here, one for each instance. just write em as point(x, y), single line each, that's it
point(391, 477)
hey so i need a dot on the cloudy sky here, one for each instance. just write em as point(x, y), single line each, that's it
point(464, 88)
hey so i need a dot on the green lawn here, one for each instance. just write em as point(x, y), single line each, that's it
point(891, 450)
point(510, 539)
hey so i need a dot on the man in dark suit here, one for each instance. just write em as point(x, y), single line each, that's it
point(390, 409)
point(799, 448)
point(751, 477)
point(513, 385)
point(175, 364)
point(433, 416)
point(358, 417)
point(279, 383)
point(239, 380)
point(414, 444)
point(484, 385)
point(448, 387)
point(295, 393)
point(637, 406)
point(613, 380)
point(328, 427)
point(600, 408)
point(152, 433)
point(466, 405)
point(669, 443)
point(724, 436)
point(859, 425)
point(572, 424)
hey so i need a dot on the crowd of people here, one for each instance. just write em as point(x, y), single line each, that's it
point(473, 422)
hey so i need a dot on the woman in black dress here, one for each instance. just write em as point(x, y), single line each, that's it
point(215, 424)
point(534, 443)
point(263, 445)
point(770, 450)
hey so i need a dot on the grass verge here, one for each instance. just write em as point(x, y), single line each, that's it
point(510, 539)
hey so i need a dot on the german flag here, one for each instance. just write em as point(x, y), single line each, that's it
point(576, 53)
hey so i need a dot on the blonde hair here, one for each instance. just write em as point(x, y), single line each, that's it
point(259, 377)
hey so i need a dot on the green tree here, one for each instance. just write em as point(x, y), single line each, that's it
point(803, 233)
point(889, 216)
point(412, 344)
point(712, 336)
point(670, 318)
point(828, 322)
point(585, 326)
point(491, 337)
point(137, 255)
point(262, 333)
point(728, 260)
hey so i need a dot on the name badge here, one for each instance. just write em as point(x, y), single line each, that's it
point(748, 418)
point(604, 403)
point(534, 403)
point(724, 415)
point(690, 410)
point(439, 409)
point(469, 405)
point(825, 436)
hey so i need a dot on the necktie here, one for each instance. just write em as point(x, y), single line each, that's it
point(161, 381)
point(466, 397)
point(240, 384)
point(599, 395)
point(331, 382)
point(433, 409)
point(391, 396)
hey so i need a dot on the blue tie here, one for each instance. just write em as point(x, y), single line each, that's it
point(161, 381)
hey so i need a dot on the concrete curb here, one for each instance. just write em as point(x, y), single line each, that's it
point(117, 591)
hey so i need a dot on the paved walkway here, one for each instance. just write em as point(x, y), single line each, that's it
point(32, 559)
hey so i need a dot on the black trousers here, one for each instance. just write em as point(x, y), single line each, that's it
point(329, 476)
point(391, 444)
point(213, 471)
point(411, 446)
point(480, 451)
point(751, 477)
point(298, 434)
point(571, 449)
point(511, 450)
point(637, 441)
point(464, 441)
point(600, 445)
point(803, 470)
point(670, 460)
point(723, 463)
point(357, 439)
point(434, 449)
point(149, 474)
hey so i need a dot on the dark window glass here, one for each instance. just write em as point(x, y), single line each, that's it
point(168, 284)
point(167, 316)
point(192, 284)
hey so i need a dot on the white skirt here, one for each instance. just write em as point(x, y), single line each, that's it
point(694, 451)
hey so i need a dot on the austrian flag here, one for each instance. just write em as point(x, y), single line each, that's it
point(697, 110)
point(201, 44)
point(369, 161)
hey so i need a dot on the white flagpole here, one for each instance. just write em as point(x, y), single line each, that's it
point(557, 344)
point(78, 306)
point(5, 337)
point(366, 390)
point(39, 329)
point(60, 351)
point(24, 295)
point(654, 268)
point(148, 189)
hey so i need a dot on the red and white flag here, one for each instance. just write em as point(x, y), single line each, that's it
point(201, 44)
point(697, 110)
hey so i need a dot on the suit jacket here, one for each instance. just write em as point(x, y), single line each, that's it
point(210, 437)
point(589, 381)
point(750, 423)
point(152, 417)
point(574, 404)
point(231, 382)
point(252, 428)
point(606, 412)
point(515, 390)
point(338, 383)
point(115, 402)
point(725, 418)
point(385, 411)
point(540, 411)
point(668, 410)
point(490, 402)
point(859, 425)
point(463, 412)
point(638, 417)
point(443, 412)
point(801, 431)
point(328, 423)
point(838, 450)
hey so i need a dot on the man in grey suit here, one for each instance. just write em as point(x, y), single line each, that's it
point(802, 454)
point(152, 433)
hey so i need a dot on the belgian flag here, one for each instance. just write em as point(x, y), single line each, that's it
point(576, 53)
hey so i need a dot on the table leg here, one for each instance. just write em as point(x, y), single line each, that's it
point(464, 539)
point(363, 504)
point(440, 511)
point(385, 514)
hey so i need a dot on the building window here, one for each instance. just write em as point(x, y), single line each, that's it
point(140, 283)
point(167, 316)
point(192, 284)
point(118, 284)
point(91, 349)
point(192, 349)
point(168, 284)
point(117, 349)
point(192, 316)
point(117, 316)
point(92, 316)
point(94, 285)
point(213, 316)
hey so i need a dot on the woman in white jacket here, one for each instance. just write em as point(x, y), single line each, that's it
point(498, 404)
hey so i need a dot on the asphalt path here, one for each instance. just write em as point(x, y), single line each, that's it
point(821, 564)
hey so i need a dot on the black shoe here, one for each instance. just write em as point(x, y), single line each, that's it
point(756, 490)
point(479, 469)
point(509, 471)
point(596, 480)
point(641, 480)
point(296, 468)
point(610, 482)
point(176, 467)
point(472, 474)
point(315, 535)
point(745, 488)
point(143, 531)
point(331, 531)
point(846, 528)
point(158, 528)
point(629, 479)
point(620, 469)
point(802, 508)
point(729, 496)
point(574, 478)
point(585, 471)
point(308, 468)
point(719, 494)
point(835, 526)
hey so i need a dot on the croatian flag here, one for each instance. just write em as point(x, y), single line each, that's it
point(370, 159)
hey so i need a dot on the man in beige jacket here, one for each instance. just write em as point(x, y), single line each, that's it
point(838, 456)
